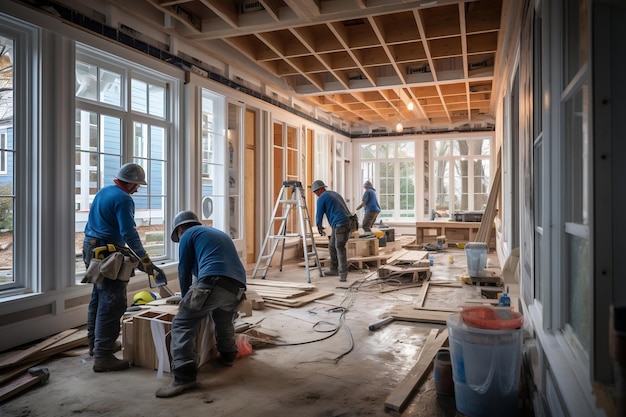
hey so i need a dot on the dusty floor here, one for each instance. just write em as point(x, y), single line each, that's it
point(303, 378)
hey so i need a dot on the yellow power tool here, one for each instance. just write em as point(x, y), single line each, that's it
point(102, 252)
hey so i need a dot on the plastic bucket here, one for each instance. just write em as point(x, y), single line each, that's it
point(476, 253)
point(485, 369)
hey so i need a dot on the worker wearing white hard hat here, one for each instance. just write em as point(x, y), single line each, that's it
point(331, 204)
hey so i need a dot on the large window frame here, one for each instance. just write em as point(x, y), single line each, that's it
point(125, 116)
point(461, 174)
point(19, 122)
point(392, 169)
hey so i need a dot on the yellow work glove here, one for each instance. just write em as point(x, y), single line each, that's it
point(146, 265)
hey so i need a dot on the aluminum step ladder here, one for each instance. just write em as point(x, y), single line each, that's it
point(290, 201)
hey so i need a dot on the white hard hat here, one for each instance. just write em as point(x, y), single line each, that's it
point(132, 173)
point(317, 184)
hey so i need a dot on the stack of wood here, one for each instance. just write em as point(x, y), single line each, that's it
point(406, 263)
point(283, 295)
point(19, 369)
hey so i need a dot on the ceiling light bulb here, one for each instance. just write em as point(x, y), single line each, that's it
point(399, 127)
point(410, 106)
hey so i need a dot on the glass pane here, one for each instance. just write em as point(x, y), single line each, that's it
point(480, 184)
point(111, 135)
point(577, 151)
point(460, 147)
point(579, 293)
point(86, 81)
point(140, 140)
point(7, 158)
point(442, 147)
point(156, 100)
point(156, 185)
point(110, 88)
point(386, 191)
point(139, 96)
point(461, 196)
point(368, 151)
point(406, 150)
point(575, 48)
point(407, 189)
point(442, 181)
point(157, 142)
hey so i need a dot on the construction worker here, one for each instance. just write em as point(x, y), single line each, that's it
point(210, 255)
point(332, 204)
point(372, 208)
point(112, 221)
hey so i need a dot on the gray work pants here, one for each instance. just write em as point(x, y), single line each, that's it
point(222, 305)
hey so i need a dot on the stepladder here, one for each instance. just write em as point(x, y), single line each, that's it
point(290, 220)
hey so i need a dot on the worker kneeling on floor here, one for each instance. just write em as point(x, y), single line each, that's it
point(210, 255)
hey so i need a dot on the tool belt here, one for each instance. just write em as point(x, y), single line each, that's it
point(110, 262)
point(228, 284)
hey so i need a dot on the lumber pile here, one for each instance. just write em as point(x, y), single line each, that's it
point(19, 369)
point(406, 263)
point(279, 294)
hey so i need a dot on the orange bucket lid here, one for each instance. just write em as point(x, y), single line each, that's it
point(493, 318)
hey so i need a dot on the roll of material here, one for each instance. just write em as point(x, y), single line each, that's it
point(380, 324)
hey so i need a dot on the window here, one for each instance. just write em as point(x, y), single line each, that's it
point(121, 111)
point(461, 171)
point(576, 105)
point(391, 169)
point(213, 160)
point(17, 116)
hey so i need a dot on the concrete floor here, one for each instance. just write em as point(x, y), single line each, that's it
point(316, 373)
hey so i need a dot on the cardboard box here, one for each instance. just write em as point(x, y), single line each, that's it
point(361, 247)
point(139, 341)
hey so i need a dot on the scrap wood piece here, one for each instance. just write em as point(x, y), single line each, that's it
point(401, 394)
point(15, 357)
point(400, 286)
point(15, 371)
point(256, 299)
point(299, 301)
point(408, 313)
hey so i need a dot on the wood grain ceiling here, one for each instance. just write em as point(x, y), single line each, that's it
point(361, 61)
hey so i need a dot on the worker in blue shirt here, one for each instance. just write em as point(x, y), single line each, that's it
point(372, 208)
point(332, 204)
point(111, 220)
point(209, 255)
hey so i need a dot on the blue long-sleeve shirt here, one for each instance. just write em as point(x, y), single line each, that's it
point(371, 201)
point(334, 207)
point(112, 219)
point(205, 251)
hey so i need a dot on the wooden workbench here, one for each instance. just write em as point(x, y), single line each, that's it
point(455, 232)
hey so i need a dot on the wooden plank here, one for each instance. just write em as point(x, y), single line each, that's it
point(18, 356)
point(390, 287)
point(402, 393)
point(486, 225)
point(423, 294)
point(408, 313)
point(18, 385)
point(299, 301)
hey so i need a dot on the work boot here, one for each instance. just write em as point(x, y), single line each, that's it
point(343, 277)
point(109, 363)
point(117, 346)
point(331, 273)
point(175, 388)
point(228, 358)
